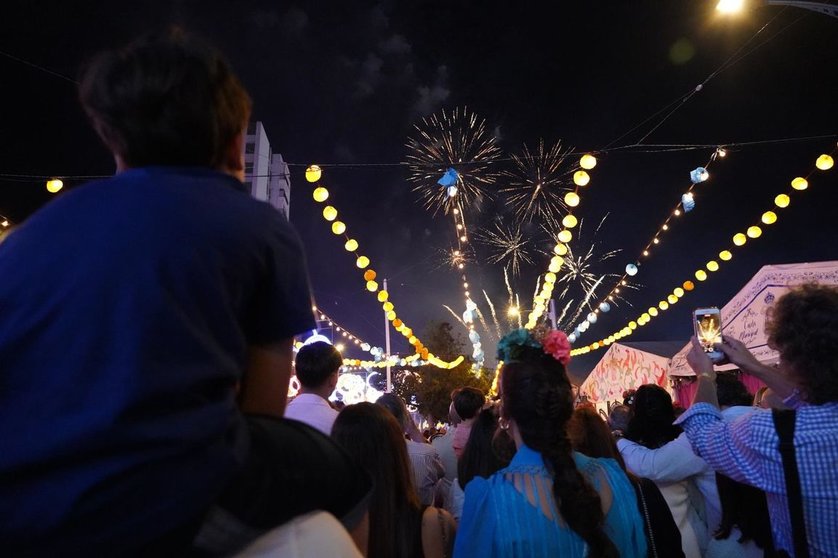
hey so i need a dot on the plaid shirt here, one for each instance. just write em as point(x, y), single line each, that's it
point(746, 450)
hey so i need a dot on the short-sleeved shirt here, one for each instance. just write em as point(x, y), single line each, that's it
point(126, 310)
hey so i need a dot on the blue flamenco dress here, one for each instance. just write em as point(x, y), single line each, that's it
point(513, 513)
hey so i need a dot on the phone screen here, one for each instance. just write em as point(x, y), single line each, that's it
point(708, 327)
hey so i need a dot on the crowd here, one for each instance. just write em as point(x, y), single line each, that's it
point(143, 396)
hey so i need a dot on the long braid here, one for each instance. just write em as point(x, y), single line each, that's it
point(538, 396)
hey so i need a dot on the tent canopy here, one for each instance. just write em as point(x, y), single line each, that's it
point(744, 316)
point(623, 367)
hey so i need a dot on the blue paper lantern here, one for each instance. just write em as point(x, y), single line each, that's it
point(604, 307)
point(631, 269)
point(688, 202)
point(700, 174)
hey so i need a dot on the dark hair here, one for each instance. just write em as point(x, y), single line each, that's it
point(373, 439)
point(745, 507)
point(803, 327)
point(480, 458)
point(165, 99)
point(589, 434)
point(731, 391)
point(316, 362)
point(651, 422)
point(536, 394)
point(619, 416)
point(395, 405)
point(468, 401)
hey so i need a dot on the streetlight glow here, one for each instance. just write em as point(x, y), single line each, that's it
point(730, 6)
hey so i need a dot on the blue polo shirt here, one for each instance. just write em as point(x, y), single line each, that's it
point(126, 309)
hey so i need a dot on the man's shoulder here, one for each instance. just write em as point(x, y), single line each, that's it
point(419, 448)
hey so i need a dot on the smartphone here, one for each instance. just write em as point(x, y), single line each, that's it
point(708, 329)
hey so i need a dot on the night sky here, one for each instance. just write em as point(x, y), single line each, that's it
point(344, 82)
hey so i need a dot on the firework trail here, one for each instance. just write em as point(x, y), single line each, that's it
point(494, 314)
point(457, 139)
point(538, 183)
point(510, 246)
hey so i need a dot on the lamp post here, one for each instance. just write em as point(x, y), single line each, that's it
point(733, 6)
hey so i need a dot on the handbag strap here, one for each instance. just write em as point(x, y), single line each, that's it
point(784, 423)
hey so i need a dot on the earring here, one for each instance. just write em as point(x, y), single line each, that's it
point(503, 423)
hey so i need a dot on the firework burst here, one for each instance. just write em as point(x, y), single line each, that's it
point(580, 278)
point(538, 183)
point(457, 139)
point(510, 246)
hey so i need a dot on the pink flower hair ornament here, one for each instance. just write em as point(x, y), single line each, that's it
point(556, 344)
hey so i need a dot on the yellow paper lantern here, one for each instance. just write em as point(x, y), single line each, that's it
point(313, 173)
point(824, 162)
point(701, 275)
point(565, 236)
point(653, 311)
point(330, 213)
point(678, 292)
point(412, 340)
point(383, 296)
point(320, 194)
point(663, 305)
point(362, 262)
point(782, 200)
point(672, 299)
point(391, 315)
point(569, 221)
point(54, 185)
point(372, 286)
point(587, 161)
point(550, 277)
point(725, 255)
point(571, 199)
point(799, 183)
point(769, 217)
point(688, 285)
point(351, 245)
point(369, 275)
point(387, 306)
point(754, 232)
point(712, 265)
point(581, 178)
point(645, 317)
point(338, 227)
point(560, 249)
point(739, 239)
point(632, 325)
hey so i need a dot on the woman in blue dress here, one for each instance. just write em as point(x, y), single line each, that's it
point(549, 501)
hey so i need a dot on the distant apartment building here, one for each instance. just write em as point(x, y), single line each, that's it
point(266, 173)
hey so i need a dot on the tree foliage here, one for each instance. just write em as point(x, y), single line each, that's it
point(428, 387)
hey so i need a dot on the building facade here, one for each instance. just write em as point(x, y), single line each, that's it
point(266, 173)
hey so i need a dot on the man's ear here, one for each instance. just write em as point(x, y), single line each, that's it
point(233, 162)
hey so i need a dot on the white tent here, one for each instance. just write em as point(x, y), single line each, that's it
point(623, 367)
point(744, 316)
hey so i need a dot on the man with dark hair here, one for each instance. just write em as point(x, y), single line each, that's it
point(467, 402)
point(758, 449)
point(142, 316)
point(317, 366)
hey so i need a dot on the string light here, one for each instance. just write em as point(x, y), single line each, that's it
point(739, 239)
point(320, 194)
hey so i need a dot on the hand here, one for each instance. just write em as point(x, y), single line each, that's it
point(737, 353)
point(699, 361)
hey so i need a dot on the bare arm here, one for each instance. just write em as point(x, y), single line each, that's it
point(264, 388)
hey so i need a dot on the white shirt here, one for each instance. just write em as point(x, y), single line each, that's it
point(312, 410)
point(427, 469)
point(443, 446)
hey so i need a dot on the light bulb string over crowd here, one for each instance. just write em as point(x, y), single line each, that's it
point(823, 163)
point(330, 213)
point(345, 333)
point(684, 204)
point(581, 178)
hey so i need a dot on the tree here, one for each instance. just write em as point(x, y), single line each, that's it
point(428, 387)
